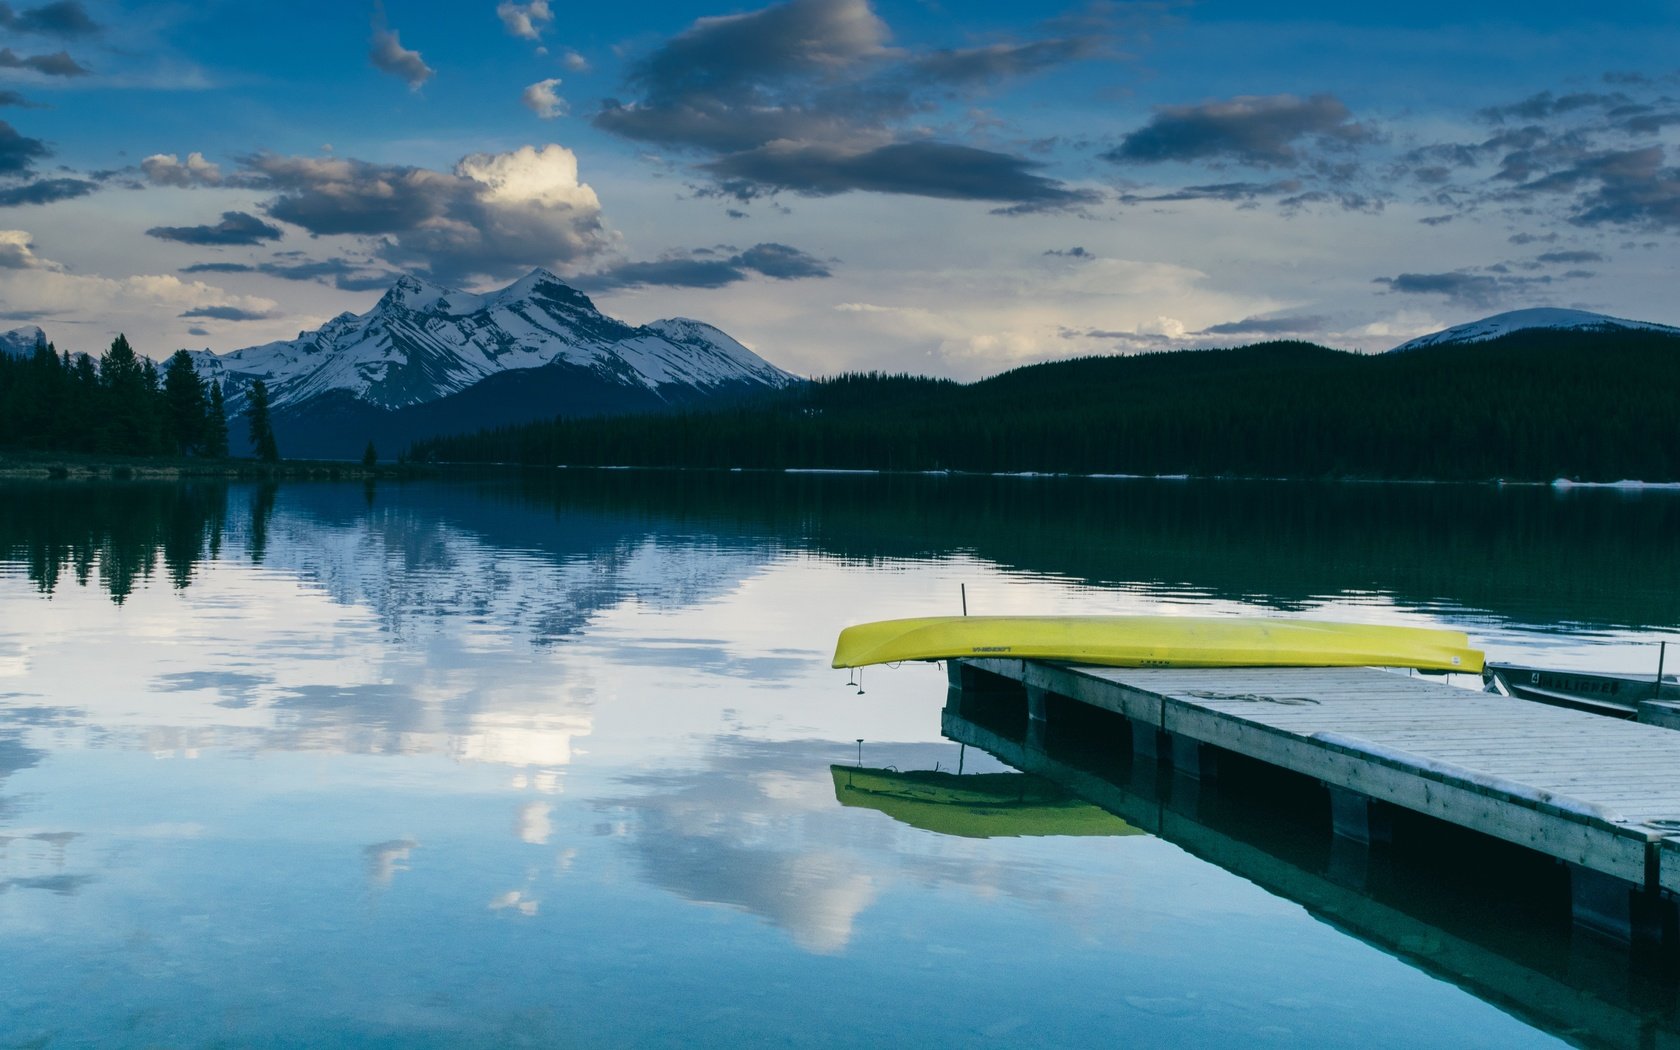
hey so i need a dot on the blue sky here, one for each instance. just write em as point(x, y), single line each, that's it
point(953, 189)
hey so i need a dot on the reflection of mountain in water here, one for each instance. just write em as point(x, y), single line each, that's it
point(548, 550)
point(413, 554)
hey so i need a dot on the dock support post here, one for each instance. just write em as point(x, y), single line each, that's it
point(1194, 759)
point(1038, 712)
point(1614, 908)
point(1146, 741)
point(1359, 818)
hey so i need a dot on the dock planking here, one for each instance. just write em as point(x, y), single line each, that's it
point(1598, 793)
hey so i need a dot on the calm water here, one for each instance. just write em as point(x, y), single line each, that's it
point(547, 762)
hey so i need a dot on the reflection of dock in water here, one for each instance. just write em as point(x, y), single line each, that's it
point(1487, 916)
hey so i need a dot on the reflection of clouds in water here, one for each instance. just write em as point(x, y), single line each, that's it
point(515, 900)
point(236, 689)
point(759, 828)
point(385, 859)
point(534, 825)
point(37, 861)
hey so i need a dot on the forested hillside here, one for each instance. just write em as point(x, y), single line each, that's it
point(1537, 405)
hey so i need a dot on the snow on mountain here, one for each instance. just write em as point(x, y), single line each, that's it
point(21, 342)
point(422, 342)
point(1520, 320)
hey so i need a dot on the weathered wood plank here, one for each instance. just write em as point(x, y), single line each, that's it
point(1573, 785)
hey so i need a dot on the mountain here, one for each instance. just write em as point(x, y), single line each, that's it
point(1500, 325)
point(429, 360)
point(21, 342)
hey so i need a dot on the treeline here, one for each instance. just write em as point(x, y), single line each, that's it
point(120, 404)
point(1534, 405)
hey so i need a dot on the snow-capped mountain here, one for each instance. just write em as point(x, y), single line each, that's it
point(422, 342)
point(1520, 320)
point(21, 342)
point(428, 360)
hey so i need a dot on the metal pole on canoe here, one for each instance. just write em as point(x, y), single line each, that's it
point(964, 587)
point(1662, 655)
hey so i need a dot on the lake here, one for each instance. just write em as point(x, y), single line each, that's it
point(548, 760)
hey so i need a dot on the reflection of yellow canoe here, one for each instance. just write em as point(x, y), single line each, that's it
point(976, 805)
point(1157, 641)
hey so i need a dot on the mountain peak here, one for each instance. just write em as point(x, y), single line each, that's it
point(21, 342)
point(413, 293)
point(1555, 318)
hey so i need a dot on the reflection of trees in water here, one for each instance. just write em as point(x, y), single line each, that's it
point(1529, 554)
point(120, 531)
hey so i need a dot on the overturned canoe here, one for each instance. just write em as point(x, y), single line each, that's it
point(1158, 641)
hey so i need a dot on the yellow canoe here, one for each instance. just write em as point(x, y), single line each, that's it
point(1158, 641)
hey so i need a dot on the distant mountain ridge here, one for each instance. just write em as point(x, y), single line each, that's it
point(1501, 325)
point(428, 357)
point(21, 342)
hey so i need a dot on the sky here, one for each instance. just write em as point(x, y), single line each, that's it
point(906, 185)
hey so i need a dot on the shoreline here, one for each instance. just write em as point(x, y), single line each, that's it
point(69, 466)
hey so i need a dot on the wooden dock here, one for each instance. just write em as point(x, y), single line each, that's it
point(1599, 794)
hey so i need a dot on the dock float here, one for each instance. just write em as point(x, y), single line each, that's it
point(1600, 795)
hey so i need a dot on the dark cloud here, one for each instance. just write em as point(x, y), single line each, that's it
point(782, 262)
point(1545, 104)
point(1221, 191)
point(1475, 289)
point(706, 268)
point(1259, 131)
point(1621, 188)
point(1000, 61)
point(1437, 220)
point(340, 273)
point(1532, 238)
point(198, 330)
point(59, 64)
point(388, 55)
point(1266, 326)
point(18, 153)
point(66, 18)
point(1076, 252)
point(925, 169)
point(228, 313)
point(236, 227)
point(807, 97)
point(45, 191)
point(1570, 257)
point(13, 98)
point(493, 215)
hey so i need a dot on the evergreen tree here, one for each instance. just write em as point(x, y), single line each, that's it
point(125, 419)
point(215, 424)
point(184, 405)
point(262, 429)
point(370, 455)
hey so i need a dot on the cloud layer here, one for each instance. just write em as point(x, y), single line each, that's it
point(809, 97)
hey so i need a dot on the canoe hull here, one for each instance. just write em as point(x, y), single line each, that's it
point(1157, 641)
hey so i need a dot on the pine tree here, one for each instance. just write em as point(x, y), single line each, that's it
point(215, 424)
point(262, 429)
point(126, 412)
point(184, 405)
point(370, 455)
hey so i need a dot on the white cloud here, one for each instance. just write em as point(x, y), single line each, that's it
point(574, 62)
point(541, 99)
point(17, 252)
point(525, 21)
point(166, 169)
